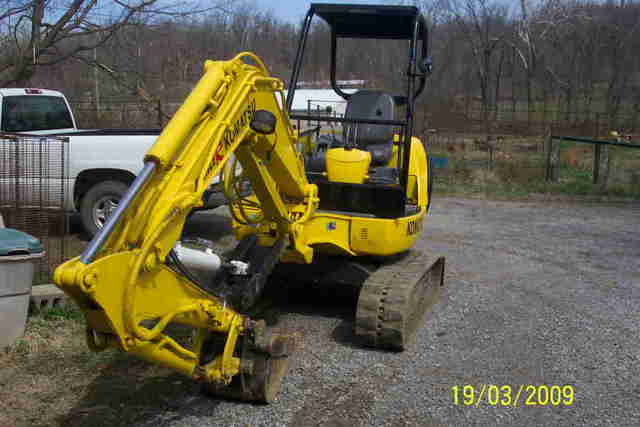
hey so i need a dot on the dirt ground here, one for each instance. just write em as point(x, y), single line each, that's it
point(537, 293)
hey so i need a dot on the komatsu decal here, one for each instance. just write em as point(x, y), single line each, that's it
point(245, 118)
point(232, 132)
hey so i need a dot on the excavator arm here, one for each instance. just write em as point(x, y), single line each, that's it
point(130, 282)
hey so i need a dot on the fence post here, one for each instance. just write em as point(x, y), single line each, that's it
point(607, 160)
point(555, 161)
point(490, 152)
point(596, 162)
point(548, 142)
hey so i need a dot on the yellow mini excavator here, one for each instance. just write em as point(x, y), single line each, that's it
point(348, 213)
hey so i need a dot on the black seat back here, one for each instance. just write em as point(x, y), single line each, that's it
point(377, 139)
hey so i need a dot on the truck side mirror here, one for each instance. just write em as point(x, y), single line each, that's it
point(264, 122)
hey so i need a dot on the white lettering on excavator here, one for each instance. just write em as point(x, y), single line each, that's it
point(245, 118)
point(231, 134)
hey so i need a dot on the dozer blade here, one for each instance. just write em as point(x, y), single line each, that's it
point(263, 364)
point(395, 298)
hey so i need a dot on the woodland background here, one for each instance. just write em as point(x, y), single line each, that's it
point(573, 61)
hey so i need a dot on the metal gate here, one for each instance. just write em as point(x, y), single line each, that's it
point(33, 182)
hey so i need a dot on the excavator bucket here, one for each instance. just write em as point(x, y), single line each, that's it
point(394, 299)
point(264, 360)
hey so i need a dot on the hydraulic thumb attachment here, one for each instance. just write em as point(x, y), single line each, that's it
point(128, 281)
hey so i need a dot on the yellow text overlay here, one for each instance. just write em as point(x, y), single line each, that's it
point(507, 395)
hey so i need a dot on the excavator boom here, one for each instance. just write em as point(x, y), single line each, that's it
point(124, 281)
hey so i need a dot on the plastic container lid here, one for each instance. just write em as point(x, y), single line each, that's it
point(14, 242)
point(440, 162)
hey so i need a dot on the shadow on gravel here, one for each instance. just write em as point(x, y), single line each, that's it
point(334, 301)
point(344, 334)
point(129, 392)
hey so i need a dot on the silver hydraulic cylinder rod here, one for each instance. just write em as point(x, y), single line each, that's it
point(98, 240)
point(198, 260)
point(205, 263)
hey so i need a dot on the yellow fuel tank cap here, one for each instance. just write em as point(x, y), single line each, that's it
point(347, 165)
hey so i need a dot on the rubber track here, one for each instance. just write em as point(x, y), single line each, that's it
point(394, 299)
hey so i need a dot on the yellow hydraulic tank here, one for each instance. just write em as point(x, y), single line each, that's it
point(347, 165)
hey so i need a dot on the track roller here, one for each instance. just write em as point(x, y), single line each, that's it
point(394, 299)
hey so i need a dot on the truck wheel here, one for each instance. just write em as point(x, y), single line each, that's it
point(99, 203)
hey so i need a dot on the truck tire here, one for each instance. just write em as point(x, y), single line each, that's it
point(98, 203)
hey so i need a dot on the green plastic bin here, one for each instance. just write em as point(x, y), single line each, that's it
point(18, 251)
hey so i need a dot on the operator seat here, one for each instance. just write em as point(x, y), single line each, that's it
point(376, 139)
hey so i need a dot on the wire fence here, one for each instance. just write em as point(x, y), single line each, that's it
point(539, 163)
point(34, 175)
point(613, 164)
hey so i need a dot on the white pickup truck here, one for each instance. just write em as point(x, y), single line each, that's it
point(102, 163)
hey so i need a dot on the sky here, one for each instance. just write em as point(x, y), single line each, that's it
point(294, 10)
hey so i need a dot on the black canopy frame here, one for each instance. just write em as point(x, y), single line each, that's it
point(372, 22)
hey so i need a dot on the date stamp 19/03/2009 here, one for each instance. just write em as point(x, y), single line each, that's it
point(514, 396)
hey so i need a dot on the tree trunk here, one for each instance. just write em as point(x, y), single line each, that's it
point(497, 89)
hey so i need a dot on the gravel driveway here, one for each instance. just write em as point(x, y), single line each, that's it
point(536, 293)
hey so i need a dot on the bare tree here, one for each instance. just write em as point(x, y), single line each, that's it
point(527, 50)
point(43, 33)
point(620, 27)
point(482, 24)
point(563, 29)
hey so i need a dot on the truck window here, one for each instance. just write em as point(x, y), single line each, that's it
point(31, 113)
